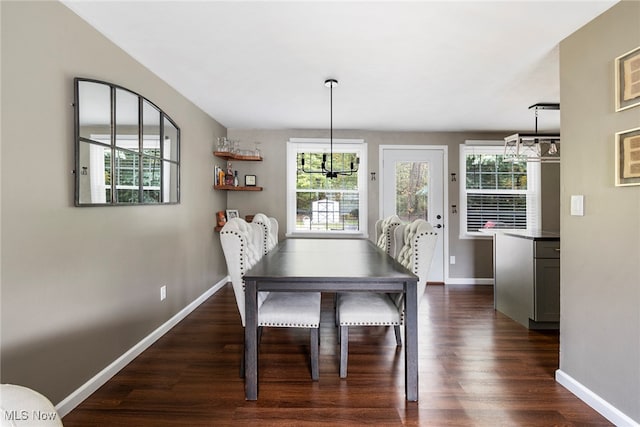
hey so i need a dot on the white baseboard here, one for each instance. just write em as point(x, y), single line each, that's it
point(603, 407)
point(468, 281)
point(88, 388)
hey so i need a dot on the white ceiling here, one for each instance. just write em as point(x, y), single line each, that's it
point(404, 66)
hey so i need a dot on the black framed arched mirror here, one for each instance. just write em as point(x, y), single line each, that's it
point(127, 150)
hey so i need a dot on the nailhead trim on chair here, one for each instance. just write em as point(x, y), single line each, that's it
point(388, 234)
point(242, 243)
point(265, 233)
point(371, 323)
point(386, 225)
point(411, 259)
point(264, 222)
point(290, 325)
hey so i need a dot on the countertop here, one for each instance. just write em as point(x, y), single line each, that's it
point(527, 234)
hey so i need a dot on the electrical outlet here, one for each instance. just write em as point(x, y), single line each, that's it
point(452, 259)
point(163, 293)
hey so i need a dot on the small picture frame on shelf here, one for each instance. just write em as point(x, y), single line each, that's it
point(627, 81)
point(232, 213)
point(627, 157)
point(249, 180)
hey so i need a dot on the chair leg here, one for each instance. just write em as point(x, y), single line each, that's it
point(398, 335)
point(259, 334)
point(314, 342)
point(344, 350)
point(242, 363)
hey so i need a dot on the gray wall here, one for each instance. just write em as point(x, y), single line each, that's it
point(600, 261)
point(473, 256)
point(80, 286)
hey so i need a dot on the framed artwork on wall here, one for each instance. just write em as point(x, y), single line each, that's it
point(627, 71)
point(627, 157)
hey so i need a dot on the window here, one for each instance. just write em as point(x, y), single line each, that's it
point(496, 192)
point(323, 206)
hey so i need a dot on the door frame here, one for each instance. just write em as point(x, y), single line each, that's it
point(445, 191)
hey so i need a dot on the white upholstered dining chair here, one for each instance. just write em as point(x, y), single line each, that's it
point(385, 240)
point(242, 244)
point(270, 228)
point(382, 309)
point(384, 233)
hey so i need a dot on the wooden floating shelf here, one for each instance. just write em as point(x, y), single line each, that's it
point(231, 156)
point(234, 188)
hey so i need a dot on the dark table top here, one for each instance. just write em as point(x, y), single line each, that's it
point(327, 260)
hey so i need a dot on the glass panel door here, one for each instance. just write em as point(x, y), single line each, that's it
point(412, 187)
point(412, 190)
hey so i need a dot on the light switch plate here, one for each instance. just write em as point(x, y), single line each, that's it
point(577, 205)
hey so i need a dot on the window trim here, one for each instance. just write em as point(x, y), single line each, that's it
point(533, 192)
point(322, 144)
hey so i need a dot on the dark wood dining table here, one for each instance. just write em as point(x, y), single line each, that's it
point(330, 265)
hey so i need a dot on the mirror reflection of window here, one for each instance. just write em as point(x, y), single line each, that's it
point(128, 165)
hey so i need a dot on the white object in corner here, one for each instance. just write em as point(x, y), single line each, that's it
point(21, 406)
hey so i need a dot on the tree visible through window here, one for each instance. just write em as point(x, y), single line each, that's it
point(412, 190)
point(322, 204)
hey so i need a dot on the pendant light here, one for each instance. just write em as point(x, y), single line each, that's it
point(329, 171)
point(534, 147)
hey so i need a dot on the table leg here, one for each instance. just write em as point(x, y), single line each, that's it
point(411, 341)
point(251, 340)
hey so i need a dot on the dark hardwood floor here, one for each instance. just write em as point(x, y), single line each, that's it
point(477, 368)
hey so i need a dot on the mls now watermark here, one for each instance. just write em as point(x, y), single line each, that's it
point(35, 415)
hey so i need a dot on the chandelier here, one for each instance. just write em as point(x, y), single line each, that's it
point(325, 170)
point(534, 147)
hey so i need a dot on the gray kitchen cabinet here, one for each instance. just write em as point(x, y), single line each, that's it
point(527, 278)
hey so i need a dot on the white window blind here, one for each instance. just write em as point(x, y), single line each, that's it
point(495, 192)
